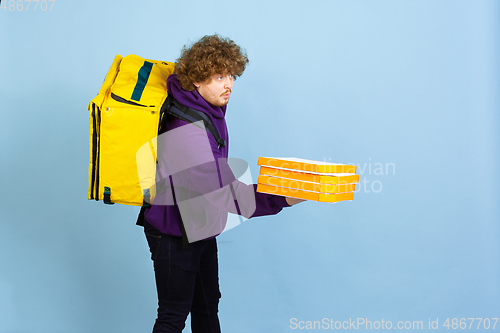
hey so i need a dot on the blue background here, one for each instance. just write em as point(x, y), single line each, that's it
point(408, 85)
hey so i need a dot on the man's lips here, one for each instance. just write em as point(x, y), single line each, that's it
point(226, 94)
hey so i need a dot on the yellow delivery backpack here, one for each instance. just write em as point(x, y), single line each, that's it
point(125, 116)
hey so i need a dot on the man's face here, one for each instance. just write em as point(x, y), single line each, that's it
point(216, 89)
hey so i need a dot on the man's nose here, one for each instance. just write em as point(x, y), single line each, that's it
point(228, 84)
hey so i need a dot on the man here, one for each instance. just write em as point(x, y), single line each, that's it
point(199, 189)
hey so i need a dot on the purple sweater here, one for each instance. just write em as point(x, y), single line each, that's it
point(205, 188)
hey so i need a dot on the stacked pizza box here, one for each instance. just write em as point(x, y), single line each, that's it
point(306, 179)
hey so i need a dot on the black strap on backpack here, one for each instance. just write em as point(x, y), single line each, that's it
point(176, 109)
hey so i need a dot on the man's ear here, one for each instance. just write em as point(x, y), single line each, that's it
point(196, 84)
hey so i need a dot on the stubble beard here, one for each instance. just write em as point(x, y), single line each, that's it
point(221, 101)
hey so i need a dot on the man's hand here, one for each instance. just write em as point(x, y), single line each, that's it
point(293, 201)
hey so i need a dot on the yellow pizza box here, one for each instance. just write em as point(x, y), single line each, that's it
point(338, 178)
point(306, 186)
point(299, 164)
point(306, 195)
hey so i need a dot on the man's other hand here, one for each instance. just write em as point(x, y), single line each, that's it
point(293, 201)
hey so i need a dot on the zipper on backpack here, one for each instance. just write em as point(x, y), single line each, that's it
point(123, 100)
point(96, 128)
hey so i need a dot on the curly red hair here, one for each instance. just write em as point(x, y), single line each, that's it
point(210, 55)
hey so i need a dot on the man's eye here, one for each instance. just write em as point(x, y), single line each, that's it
point(223, 76)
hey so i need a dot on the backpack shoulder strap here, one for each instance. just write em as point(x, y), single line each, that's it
point(176, 109)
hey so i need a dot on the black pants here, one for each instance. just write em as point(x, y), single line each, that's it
point(187, 280)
